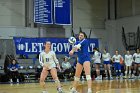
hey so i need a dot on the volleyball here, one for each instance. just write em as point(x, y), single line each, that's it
point(72, 40)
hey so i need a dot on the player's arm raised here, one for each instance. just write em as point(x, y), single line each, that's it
point(77, 46)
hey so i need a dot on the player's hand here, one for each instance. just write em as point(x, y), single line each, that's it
point(71, 52)
point(58, 66)
point(42, 64)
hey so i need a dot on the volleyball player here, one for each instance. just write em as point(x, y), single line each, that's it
point(83, 62)
point(116, 59)
point(97, 61)
point(48, 60)
point(107, 60)
point(128, 63)
point(136, 57)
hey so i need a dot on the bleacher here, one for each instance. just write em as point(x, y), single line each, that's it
point(1, 66)
point(30, 69)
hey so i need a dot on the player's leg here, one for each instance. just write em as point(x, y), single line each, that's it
point(139, 70)
point(119, 70)
point(97, 66)
point(126, 70)
point(53, 72)
point(109, 70)
point(10, 76)
point(78, 71)
point(132, 69)
point(135, 69)
point(16, 76)
point(129, 69)
point(87, 70)
point(105, 67)
point(115, 68)
point(43, 76)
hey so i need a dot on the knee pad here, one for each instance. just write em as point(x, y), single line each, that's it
point(134, 71)
point(76, 78)
point(105, 71)
point(97, 70)
point(57, 81)
point(88, 77)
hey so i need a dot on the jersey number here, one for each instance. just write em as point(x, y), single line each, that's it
point(47, 59)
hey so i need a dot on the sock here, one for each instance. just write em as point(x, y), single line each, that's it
point(106, 72)
point(125, 73)
point(89, 90)
point(110, 73)
point(134, 72)
point(11, 80)
point(73, 88)
point(129, 72)
point(59, 89)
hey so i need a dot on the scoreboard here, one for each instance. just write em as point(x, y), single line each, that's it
point(43, 11)
point(52, 12)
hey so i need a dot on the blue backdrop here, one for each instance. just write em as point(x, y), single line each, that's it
point(35, 45)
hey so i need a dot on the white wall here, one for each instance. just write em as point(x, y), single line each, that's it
point(127, 8)
point(89, 13)
point(114, 29)
point(12, 12)
point(10, 32)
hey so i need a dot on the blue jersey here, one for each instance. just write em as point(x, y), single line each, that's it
point(13, 66)
point(83, 54)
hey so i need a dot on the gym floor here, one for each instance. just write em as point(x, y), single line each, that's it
point(98, 86)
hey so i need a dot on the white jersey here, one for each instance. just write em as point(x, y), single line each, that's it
point(106, 57)
point(136, 57)
point(117, 58)
point(66, 65)
point(128, 60)
point(48, 58)
point(97, 57)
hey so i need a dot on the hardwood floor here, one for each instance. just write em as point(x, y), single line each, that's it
point(98, 86)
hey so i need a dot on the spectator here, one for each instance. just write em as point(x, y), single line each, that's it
point(65, 64)
point(13, 67)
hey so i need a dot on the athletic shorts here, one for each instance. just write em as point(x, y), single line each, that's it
point(117, 66)
point(128, 63)
point(136, 63)
point(82, 60)
point(106, 62)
